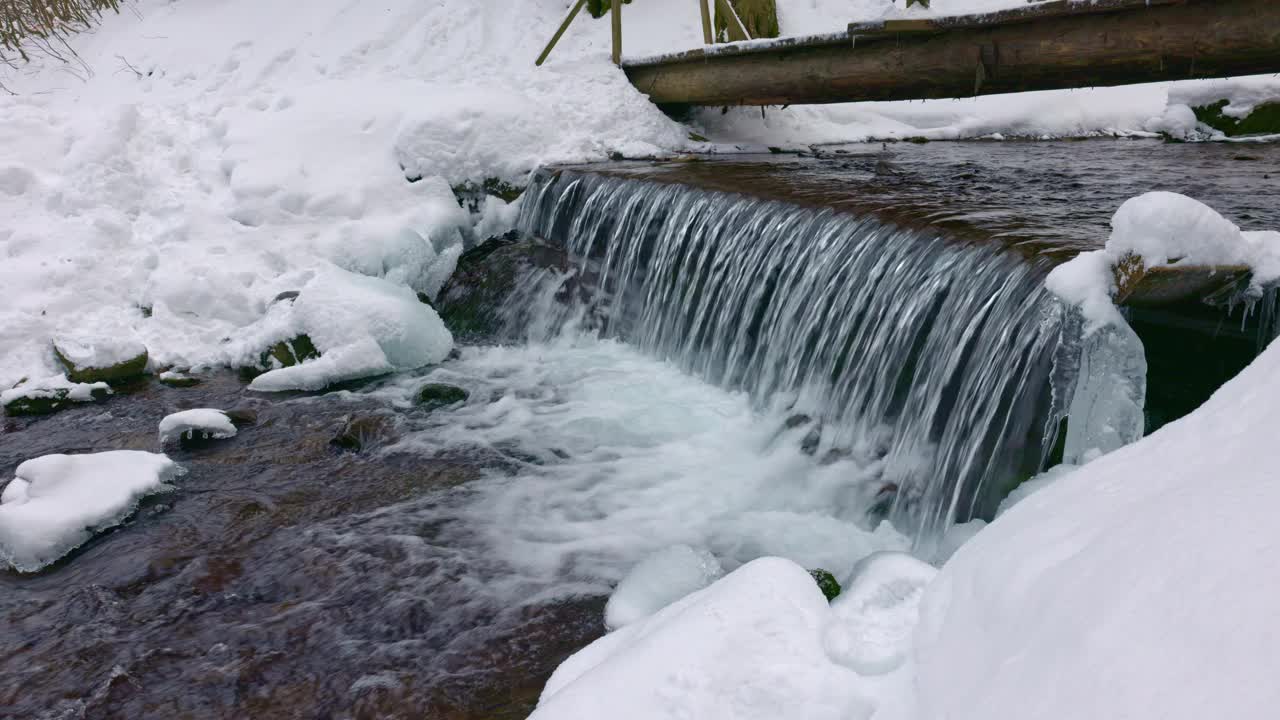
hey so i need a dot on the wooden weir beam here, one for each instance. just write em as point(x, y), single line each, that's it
point(1046, 46)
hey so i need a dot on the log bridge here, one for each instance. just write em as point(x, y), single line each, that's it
point(1044, 46)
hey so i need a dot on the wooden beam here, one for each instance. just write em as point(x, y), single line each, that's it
point(556, 38)
point(615, 13)
point(707, 37)
point(1047, 46)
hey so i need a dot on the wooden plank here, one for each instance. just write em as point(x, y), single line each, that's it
point(615, 17)
point(1141, 286)
point(1052, 46)
point(737, 31)
point(707, 38)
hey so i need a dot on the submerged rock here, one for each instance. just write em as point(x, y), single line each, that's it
point(437, 395)
point(361, 432)
point(178, 380)
point(471, 303)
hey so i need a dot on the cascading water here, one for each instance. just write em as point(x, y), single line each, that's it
point(933, 356)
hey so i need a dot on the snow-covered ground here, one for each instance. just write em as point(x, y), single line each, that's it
point(197, 160)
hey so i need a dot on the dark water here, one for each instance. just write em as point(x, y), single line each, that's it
point(265, 586)
point(1053, 198)
point(269, 584)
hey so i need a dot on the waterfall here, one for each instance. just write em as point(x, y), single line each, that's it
point(944, 359)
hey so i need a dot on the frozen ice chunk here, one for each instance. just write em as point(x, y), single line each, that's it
point(1106, 411)
point(874, 619)
point(361, 325)
point(200, 422)
point(55, 503)
point(659, 580)
point(746, 648)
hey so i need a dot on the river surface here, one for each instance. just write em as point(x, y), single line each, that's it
point(445, 568)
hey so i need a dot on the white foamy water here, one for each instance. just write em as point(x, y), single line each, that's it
point(604, 455)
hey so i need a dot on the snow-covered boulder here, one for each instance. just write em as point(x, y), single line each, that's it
point(1157, 229)
point(56, 503)
point(201, 423)
point(659, 580)
point(51, 394)
point(101, 348)
point(745, 648)
point(360, 326)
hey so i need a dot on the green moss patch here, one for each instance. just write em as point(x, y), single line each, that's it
point(1264, 120)
point(826, 583)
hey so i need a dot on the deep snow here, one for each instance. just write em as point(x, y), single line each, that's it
point(199, 160)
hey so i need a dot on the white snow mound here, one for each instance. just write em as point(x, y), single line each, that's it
point(874, 617)
point(361, 325)
point(55, 503)
point(202, 422)
point(746, 648)
point(659, 580)
point(53, 386)
point(1140, 587)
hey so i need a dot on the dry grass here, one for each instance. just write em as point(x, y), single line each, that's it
point(41, 27)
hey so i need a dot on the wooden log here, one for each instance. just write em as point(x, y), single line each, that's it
point(1140, 286)
point(1047, 46)
point(615, 15)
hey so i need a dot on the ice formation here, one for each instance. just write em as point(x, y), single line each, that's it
point(659, 580)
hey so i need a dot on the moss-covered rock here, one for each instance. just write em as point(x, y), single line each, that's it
point(120, 372)
point(47, 402)
point(471, 303)
point(289, 352)
point(826, 583)
point(471, 195)
point(436, 395)
point(1264, 120)
point(178, 380)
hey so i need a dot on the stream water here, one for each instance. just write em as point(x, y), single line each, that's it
point(749, 376)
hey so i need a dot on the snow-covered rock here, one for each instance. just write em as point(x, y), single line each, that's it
point(361, 325)
point(1161, 228)
point(659, 580)
point(50, 394)
point(1138, 587)
point(56, 503)
point(199, 422)
point(873, 620)
point(101, 347)
point(746, 648)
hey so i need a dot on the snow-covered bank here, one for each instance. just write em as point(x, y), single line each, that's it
point(203, 159)
point(55, 503)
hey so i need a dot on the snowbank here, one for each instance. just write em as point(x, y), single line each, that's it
point(873, 621)
point(1161, 228)
point(207, 422)
point(55, 503)
point(659, 580)
point(361, 326)
point(1134, 587)
point(747, 647)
